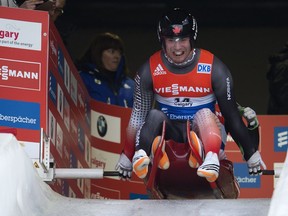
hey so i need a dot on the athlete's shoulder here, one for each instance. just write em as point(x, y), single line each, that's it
point(155, 57)
point(204, 52)
point(143, 76)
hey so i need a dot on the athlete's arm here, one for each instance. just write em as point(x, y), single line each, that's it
point(142, 104)
point(252, 123)
point(223, 87)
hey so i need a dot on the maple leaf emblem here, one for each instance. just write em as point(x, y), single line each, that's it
point(177, 29)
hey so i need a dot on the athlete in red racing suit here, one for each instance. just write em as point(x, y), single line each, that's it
point(184, 82)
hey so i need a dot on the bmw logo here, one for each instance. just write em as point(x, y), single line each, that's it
point(102, 126)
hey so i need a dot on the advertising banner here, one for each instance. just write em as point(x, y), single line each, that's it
point(105, 153)
point(23, 66)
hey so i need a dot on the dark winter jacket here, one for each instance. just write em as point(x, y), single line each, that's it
point(278, 82)
point(107, 86)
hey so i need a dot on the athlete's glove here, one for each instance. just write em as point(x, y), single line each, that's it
point(124, 166)
point(254, 164)
point(251, 118)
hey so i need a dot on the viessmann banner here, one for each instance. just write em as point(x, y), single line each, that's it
point(23, 66)
point(40, 88)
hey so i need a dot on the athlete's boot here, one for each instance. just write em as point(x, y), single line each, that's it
point(198, 148)
point(210, 167)
point(164, 162)
point(140, 163)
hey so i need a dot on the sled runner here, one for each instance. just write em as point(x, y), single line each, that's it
point(181, 181)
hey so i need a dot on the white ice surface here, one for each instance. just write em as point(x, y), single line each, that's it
point(279, 202)
point(23, 193)
point(245, 207)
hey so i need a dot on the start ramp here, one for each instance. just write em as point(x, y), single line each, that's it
point(23, 193)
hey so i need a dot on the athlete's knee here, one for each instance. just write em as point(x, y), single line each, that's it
point(207, 127)
point(149, 130)
point(204, 113)
point(156, 115)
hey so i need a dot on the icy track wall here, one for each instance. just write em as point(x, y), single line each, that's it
point(278, 206)
point(22, 192)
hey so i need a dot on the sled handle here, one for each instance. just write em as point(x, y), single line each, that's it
point(111, 173)
point(275, 172)
point(83, 173)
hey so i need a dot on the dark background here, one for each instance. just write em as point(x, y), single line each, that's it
point(243, 34)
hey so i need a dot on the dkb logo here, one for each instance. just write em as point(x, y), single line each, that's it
point(204, 68)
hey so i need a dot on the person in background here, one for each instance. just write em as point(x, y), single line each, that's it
point(278, 82)
point(54, 7)
point(185, 83)
point(104, 71)
point(29, 4)
point(57, 10)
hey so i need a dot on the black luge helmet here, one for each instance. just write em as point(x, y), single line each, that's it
point(177, 23)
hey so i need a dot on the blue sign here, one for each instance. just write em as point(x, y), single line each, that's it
point(138, 196)
point(244, 179)
point(53, 88)
point(280, 139)
point(61, 62)
point(19, 114)
point(204, 68)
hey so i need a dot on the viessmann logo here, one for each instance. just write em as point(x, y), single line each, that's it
point(20, 74)
point(176, 89)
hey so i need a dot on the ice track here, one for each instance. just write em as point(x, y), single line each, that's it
point(245, 207)
point(23, 193)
